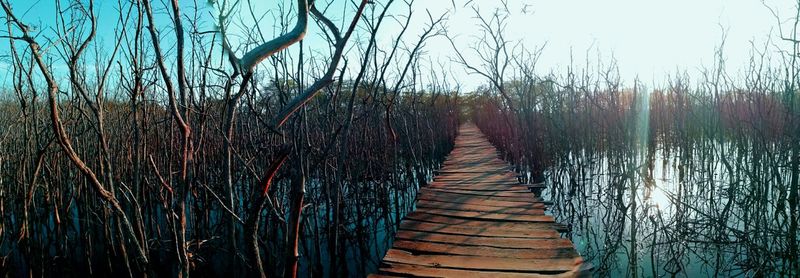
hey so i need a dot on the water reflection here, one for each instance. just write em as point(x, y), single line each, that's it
point(713, 210)
point(369, 222)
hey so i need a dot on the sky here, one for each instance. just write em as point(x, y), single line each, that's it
point(649, 39)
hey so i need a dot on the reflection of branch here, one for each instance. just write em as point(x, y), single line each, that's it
point(673, 199)
point(262, 197)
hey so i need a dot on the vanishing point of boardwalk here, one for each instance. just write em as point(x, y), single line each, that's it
point(476, 220)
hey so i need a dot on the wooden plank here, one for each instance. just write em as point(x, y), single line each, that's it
point(478, 208)
point(477, 201)
point(382, 275)
point(463, 171)
point(473, 163)
point(477, 205)
point(488, 187)
point(543, 266)
point(416, 247)
point(498, 242)
point(472, 169)
point(485, 174)
point(426, 217)
point(526, 194)
point(473, 180)
point(529, 198)
point(427, 271)
point(489, 216)
point(489, 231)
point(476, 183)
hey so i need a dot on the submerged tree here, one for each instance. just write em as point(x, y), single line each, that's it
point(209, 151)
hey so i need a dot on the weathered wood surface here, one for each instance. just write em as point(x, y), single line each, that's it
point(476, 220)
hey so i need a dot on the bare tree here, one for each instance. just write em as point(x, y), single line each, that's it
point(64, 139)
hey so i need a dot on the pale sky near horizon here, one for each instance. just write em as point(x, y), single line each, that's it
point(649, 39)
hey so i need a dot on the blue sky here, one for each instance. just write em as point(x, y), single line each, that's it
point(649, 39)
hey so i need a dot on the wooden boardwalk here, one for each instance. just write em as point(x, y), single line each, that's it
point(476, 220)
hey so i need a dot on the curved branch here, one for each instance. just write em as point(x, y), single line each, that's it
point(328, 23)
point(326, 79)
point(263, 51)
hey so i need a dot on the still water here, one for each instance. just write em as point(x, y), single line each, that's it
point(700, 211)
point(716, 210)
